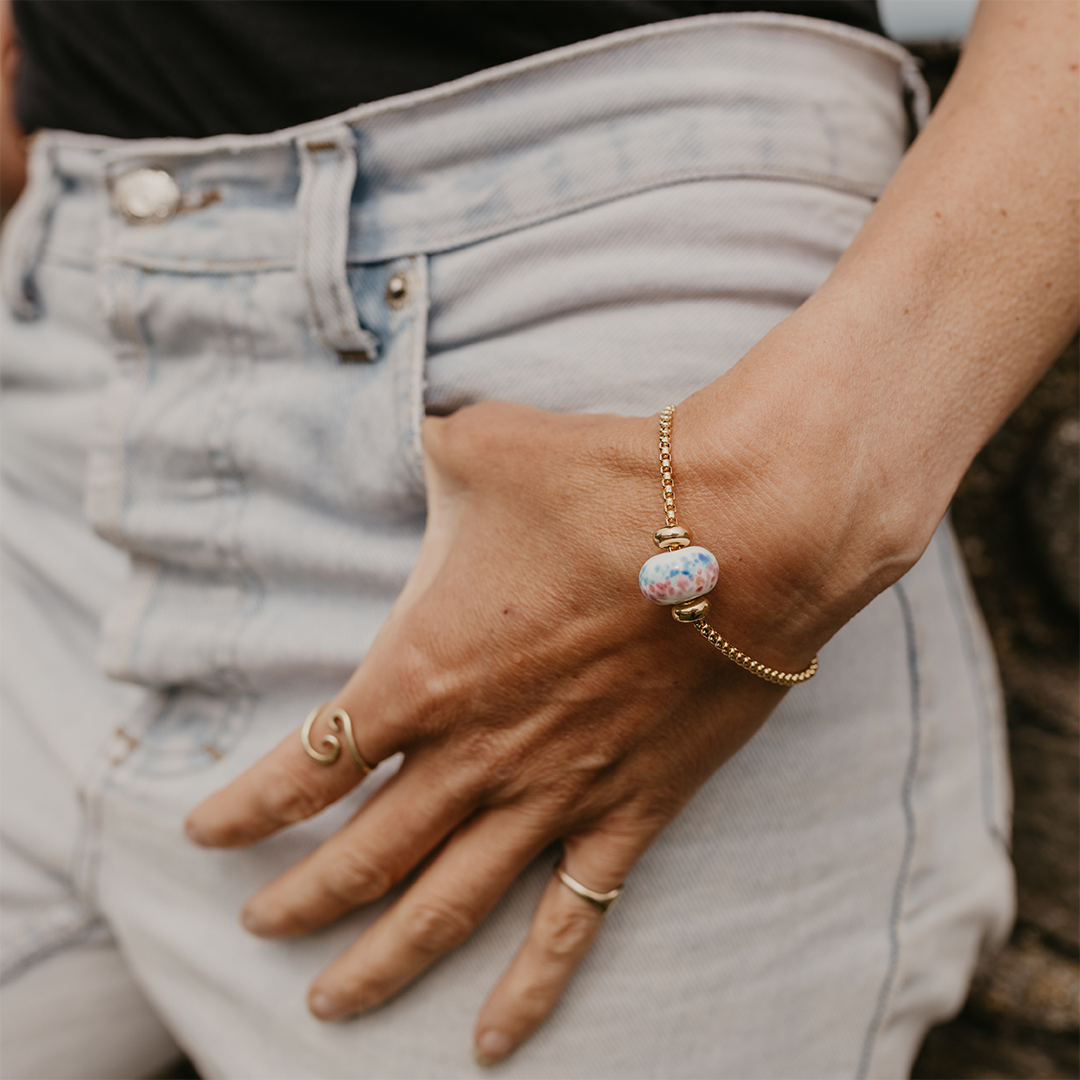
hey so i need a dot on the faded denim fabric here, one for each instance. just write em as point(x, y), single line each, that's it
point(213, 491)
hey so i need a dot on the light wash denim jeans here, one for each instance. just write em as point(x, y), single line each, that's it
point(213, 491)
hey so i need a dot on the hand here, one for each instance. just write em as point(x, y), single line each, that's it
point(536, 696)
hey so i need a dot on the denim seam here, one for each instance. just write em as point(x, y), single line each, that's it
point(229, 474)
point(118, 297)
point(117, 293)
point(670, 179)
point(906, 792)
point(976, 668)
point(416, 359)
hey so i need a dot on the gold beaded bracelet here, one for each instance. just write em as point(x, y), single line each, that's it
point(682, 573)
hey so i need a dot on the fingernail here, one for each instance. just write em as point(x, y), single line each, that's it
point(324, 1007)
point(491, 1047)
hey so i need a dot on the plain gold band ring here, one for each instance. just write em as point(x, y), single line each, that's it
point(601, 900)
point(338, 720)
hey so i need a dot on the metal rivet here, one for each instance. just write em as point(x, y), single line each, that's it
point(146, 196)
point(397, 289)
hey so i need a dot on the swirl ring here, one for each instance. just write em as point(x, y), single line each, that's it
point(340, 721)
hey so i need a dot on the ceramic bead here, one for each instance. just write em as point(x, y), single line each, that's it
point(673, 576)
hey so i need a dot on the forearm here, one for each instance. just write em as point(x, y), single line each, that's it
point(964, 279)
point(860, 413)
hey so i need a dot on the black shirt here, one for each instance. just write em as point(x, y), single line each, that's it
point(139, 68)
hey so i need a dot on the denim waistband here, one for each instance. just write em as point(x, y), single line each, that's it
point(802, 99)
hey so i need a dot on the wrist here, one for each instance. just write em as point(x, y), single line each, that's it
point(787, 475)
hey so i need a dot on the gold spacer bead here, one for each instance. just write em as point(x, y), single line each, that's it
point(691, 610)
point(671, 537)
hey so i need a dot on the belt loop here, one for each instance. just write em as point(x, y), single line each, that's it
point(25, 231)
point(327, 175)
point(915, 85)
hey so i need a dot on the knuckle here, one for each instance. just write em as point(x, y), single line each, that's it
point(287, 798)
point(535, 998)
point(580, 792)
point(354, 876)
point(376, 986)
point(569, 932)
point(492, 766)
point(436, 928)
point(436, 693)
point(439, 693)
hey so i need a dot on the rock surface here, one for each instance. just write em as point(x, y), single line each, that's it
point(1053, 493)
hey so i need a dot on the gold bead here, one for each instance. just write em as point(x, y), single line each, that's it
point(690, 610)
point(671, 538)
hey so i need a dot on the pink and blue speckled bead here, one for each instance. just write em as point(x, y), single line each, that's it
point(674, 576)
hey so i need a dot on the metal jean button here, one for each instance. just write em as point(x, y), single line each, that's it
point(397, 290)
point(146, 196)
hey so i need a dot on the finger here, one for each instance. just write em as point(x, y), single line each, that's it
point(288, 785)
point(437, 914)
point(390, 836)
point(562, 932)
